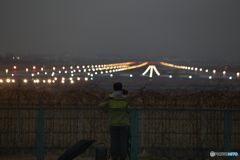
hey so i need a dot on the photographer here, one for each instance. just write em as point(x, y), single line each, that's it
point(118, 121)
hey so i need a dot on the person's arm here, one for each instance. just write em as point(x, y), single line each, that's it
point(104, 103)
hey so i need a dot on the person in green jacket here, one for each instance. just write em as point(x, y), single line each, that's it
point(118, 121)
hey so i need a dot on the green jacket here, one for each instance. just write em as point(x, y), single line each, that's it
point(116, 100)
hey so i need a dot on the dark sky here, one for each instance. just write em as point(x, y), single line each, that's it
point(154, 28)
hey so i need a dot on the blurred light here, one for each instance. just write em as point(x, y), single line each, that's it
point(72, 75)
point(55, 78)
point(88, 74)
point(79, 70)
point(63, 67)
point(77, 67)
point(62, 81)
point(59, 72)
point(230, 78)
point(65, 71)
point(191, 68)
point(45, 73)
point(1, 81)
point(32, 74)
point(111, 75)
point(38, 73)
point(131, 75)
point(101, 72)
point(6, 70)
point(238, 74)
point(63, 78)
point(13, 80)
point(49, 81)
point(12, 75)
point(170, 76)
point(26, 69)
point(41, 69)
point(8, 80)
point(224, 72)
point(86, 78)
point(196, 69)
point(34, 67)
point(96, 73)
point(78, 78)
point(14, 67)
point(71, 81)
point(44, 81)
point(89, 69)
point(71, 67)
point(210, 77)
point(190, 77)
point(70, 78)
point(83, 66)
point(206, 70)
point(214, 71)
point(54, 68)
point(200, 69)
point(25, 81)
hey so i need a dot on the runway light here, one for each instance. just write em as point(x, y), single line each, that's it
point(25, 81)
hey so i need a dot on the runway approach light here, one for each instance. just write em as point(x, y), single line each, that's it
point(151, 68)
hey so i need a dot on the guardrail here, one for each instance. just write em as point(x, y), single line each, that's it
point(178, 133)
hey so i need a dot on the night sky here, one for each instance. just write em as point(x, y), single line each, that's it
point(148, 28)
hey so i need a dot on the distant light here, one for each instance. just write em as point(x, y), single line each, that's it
point(96, 73)
point(111, 75)
point(91, 75)
point(78, 78)
point(77, 67)
point(44, 81)
point(238, 74)
point(70, 78)
point(230, 78)
point(86, 78)
point(190, 77)
point(196, 69)
point(41, 69)
point(13, 80)
point(131, 75)
point(210, 77)
point(214, 71)
point(26, 69)
point(6, 70)
point(200, 69)
point(49, 81)
point(62, 81)
point(34, 67)
point(1, 81)
point(71, 81)
point(59, 71)
point(14, 67)
point(25, 81)
point(65, 71)
point(32, 74)
point(170, 76)
point(45, 73)
point(63, 67)
point(206, 70)
point(8, 80)
point(54, 68)
point(224, 72)
point(72, 75)
point(63, 78)
point(71, 67)
point(55, 78)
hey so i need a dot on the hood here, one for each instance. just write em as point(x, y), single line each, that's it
point(117, 95)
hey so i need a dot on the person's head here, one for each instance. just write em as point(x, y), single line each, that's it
point(117, 86)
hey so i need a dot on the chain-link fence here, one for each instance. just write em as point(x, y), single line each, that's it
point(45, 132)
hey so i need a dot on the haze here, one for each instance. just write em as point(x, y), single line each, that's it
point(128, 29)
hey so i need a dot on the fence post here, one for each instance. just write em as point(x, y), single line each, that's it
point(40, 135)
point(134, 134)
point(227, 132)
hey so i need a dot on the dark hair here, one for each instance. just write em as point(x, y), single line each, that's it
point(124, 91)
point(117, 86)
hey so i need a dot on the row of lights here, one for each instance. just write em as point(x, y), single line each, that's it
point(194, 68)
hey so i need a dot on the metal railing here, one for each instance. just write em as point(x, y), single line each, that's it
point(178, 133)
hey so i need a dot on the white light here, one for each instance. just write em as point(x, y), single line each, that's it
point(45, 73)
point(8, 80)
point(111, 75)
point(86, 78)
point(65, 72)
point(1, 81)
point(88, 74)
point(54, 68)
point(91, 75)
point(63, 78)
point(191, 68)
point(206, 70)
point(44, 81)
point(71, 67)
point(200, 69)
point(49, 81)
point(83, 66)
point(12, 75)
point(230, 78)
point(224, 72)
point(13, 80)
point(238, 74)
point(62, 81)
point(79, 70)
point(77, 67)
point(59, 71)
point(96, 73)
point(190, 77)
point(25, 81)
point(70, 78)
point(214, 71)
point(78, 78)
point(63, 67)
point(72, 82)
point(26, 69)
point(6, 70)
point(55, 78)
point(41, 69)
point(210, 77)
point(170, 76)
point(131, 75)
point(196, 69)
point(38, 73)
